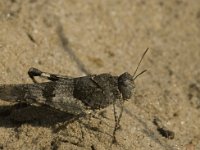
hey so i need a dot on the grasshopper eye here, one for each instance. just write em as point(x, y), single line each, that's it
point(126, 85)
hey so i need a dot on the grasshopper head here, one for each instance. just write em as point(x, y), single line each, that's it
point(126, 81)
point(126, 85)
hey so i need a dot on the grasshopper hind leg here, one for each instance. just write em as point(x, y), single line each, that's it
point(33, 72)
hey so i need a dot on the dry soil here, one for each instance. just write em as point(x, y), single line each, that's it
point(74, 37)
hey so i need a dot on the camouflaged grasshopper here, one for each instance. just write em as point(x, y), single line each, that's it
point(80, 95)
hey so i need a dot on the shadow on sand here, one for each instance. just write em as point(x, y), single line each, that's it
point(12, 116)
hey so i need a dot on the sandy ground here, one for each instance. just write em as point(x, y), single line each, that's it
point(104, 36)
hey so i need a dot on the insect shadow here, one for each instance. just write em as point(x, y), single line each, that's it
point(20, 113)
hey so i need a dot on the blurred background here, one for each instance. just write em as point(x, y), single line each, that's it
point(76, 38)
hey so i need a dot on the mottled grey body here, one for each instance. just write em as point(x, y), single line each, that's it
point(72, 95)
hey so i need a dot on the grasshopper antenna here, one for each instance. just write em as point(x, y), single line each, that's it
point(139, 65)
point(139, 74)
